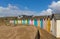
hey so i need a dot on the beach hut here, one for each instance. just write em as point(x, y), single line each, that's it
point(19, 21)
point(57, 28)
point(35, 22)
point(38, 22)
point(23, 21)
point(55, 25)
point(44, 24)
point(11, 21)
point(41, 23)
point(31, 22)
point(48, 24)
point(28, 21)
point(15, 21)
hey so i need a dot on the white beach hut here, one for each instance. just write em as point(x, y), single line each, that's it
point(55, 25)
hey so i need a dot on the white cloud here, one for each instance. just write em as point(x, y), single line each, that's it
point(14, 11)
point(53, 8)
point(10, 10)
point(46, 12)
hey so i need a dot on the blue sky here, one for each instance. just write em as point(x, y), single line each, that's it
point(35, 5)
point(29, 5)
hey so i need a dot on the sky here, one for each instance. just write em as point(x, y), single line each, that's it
point(29, 7)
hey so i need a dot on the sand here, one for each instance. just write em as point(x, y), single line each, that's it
point(17, 32)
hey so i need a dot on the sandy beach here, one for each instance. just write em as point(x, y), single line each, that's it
point(17, 32)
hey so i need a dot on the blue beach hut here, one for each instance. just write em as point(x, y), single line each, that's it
point(23, 21)
point(15, 21)
point(35, 22)
point(28, 21)
point(41, 23)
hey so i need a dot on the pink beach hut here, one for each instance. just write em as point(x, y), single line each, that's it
point(44, 24)
point(31, 22)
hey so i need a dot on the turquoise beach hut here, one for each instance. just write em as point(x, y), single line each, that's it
point(15, 21)
point(35, 22)
point(28, 21)
point(41, 23)
point(23, 21)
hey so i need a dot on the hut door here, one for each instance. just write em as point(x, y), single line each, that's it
point(53, 27)
point(15, 21)
point(41, 23)
point(31, 22)
point(38, 22)
point(35, 22)
point(23, 21)
point(28, 21)
point(48, 25)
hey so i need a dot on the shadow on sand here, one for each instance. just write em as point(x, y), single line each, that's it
point(37, 35)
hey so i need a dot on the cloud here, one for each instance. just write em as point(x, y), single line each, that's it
point(46, 12)
point(14, 11)
point(11, 10)
point(54, 7)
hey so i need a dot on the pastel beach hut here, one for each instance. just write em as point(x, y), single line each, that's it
point(35, 22)
point(23, 21)
point(48, 24)
point(28, 21)
point(11, 21)
point(44, 24)
point(41, 23)
point(19, 21)
point(31, 22)
point(54, 27)
point(15, 21)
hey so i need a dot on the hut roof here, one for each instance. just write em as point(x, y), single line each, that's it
point(26, 17)
point(34, 17)
point(57, 16)
point(39, 17)
point(9, 18)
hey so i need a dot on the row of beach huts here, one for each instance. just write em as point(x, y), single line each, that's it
point(50, 23)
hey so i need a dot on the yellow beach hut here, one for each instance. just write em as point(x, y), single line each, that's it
point(48, 24)
point(39, 23)
point(19, 21)
point(26, 21)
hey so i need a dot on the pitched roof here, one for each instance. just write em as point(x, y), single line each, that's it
point(57, 16)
